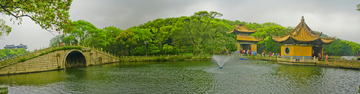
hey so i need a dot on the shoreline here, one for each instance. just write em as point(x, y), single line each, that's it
point(354, 65)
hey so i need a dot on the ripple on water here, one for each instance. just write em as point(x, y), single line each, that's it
point(247, 69)
point(189, 77)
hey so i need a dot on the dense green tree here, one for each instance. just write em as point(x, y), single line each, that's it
point(2, 54)
point(9, 52)
point(49, 14)
point(265, 31)
point(12, 52)
point(162, 31)
point(4, 29)
point(97, 39)
point(337, 47)
point(202, 30)
point(342, 47)
point(80, 30)
point(111, 33)
point(163, 34)
point(63, 38)
point(358, 7)
point(167, 48)
point(21, 51)
point(143, 36)
point(128, 39)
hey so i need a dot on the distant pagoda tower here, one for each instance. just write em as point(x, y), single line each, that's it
point(244, 40)
point(302, 42)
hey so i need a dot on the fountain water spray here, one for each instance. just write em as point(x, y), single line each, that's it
point(220, 60)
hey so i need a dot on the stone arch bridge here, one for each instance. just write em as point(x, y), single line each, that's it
point(57, 58)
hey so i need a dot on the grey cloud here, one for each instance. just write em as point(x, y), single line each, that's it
point(126, 13)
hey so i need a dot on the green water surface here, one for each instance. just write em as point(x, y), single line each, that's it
point(237, 76)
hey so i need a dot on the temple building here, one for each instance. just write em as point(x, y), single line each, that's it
point(244, 40)
point(19, 46)
point(302, 43)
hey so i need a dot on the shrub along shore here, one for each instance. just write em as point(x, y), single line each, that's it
point(160, 58)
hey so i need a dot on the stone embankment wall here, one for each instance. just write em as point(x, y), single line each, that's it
point(57, 60)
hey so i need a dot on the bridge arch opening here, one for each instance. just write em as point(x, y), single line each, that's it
point(75, 58)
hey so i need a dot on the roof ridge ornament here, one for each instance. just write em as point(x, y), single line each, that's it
point(302, 19)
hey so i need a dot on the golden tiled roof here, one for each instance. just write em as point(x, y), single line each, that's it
point(327, 41)
point(280, 39)
point(247, 38)
point(302, 33)
point(242, 28)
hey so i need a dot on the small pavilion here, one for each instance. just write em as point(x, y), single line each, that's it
point(302, 43)
point(244, 40)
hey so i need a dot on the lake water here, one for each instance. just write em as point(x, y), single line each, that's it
point(237, 76)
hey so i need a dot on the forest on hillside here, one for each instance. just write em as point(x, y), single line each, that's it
point(202, 33)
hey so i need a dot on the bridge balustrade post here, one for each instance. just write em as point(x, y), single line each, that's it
point(303, 58)
point(314, 58)
point(344, 60)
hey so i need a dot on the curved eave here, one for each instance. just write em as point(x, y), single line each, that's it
point(304, 40)
point(281, 39)
point(248, 38)
point(326, 41)
point(231, 31)
point(284, 38)
point(247, 31)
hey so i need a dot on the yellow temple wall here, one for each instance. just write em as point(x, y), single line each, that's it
point(297, 50)
point(253, 47)
point(238, 46)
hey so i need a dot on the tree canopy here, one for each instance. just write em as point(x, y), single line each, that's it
point(4, 29)
point(49, 14)
point(203, 31)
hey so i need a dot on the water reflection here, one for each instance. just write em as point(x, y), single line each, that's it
point(35, 79)
point(305, 77)
point(187, 77)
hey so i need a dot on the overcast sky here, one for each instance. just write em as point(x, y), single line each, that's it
point(332, 17)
